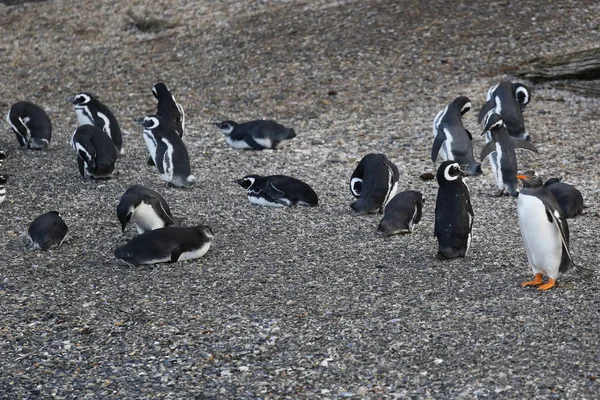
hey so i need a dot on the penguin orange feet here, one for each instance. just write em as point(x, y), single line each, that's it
point(548, 285)
point(536, 281)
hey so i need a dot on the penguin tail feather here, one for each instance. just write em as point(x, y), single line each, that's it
point(583, 271)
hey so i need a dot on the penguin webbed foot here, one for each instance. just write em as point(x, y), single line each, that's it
point(535, 282)
point(549, 285)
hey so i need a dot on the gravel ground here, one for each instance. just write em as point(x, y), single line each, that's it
point(296, 303)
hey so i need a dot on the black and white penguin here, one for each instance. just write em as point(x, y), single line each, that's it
point(47, 231)
point(90, 111)
point(452, 141)
point(169, 110)
point(509, 100)
point(544, 230)
point(569, 199)
point(278, 191)
point(402, 213)
point(502, 146)
point(255, 135)
point(374, 182)
point(167, 151)
point(169, 244)
point(2, 157)
point(31, 125)
point(96, 153)
point(453, 212)
point(147, 209)
point(3, 179)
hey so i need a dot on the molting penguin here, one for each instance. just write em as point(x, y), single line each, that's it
point(147, 209)
point(544, 230)
point(255, 135)
point(170, 244)
point(509, 100)
point(3, 179)
point(47, 231)
point(453, 212)
point(90, 111)
point(374, 182)
point(278, 191)
point(402, 213)
point(569, 199)
point(452, 140)
point(504, 160)
point(167, 151)
point(31, 125)
point(96, 153)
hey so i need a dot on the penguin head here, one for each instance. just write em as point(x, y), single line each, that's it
point(530, 179)
point(149, 122)
point(493, 121)
point(356, 186)
point(247, 181)
point(463, 104)
point(80, 98)
point(522, 95)
point(226, 126)
point(158, 89)
point(125, 210)
point(206, 231)
point(450, 171)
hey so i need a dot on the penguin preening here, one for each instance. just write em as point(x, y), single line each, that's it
point(501, 150)
point(452, 141)
point(3, 179)
point(402, 213)
point(278, 191)
point(255, 135)
point(169, 244)
point(47, 231)
point(374, 181)
point(569, 199)
point(544, 230)
point(31, 125)
point(167, 151)
point(96, 153)
point(169, 110)
point(147, 209)
point(453, 212)
point(509, 100)
point(90, 111)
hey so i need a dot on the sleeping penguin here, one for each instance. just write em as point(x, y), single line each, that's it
point(255, 135)
point(278, 191)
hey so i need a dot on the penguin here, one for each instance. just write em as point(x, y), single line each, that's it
point(452, 141)
point(502, 146)
point(544, 230)
point(90, 111)
point(569, 199)
point(167, 151)
point(509, 100)
point(374, 182)
point(255, 135)
point(169, 244)
point(402, 213)
point(146, 208)
point(170, 111)
point(2, 157)
point(3, 179)
point(96, 153)
point(278, 191)
point(453, 212)
point(47, 231)
point(31, 125)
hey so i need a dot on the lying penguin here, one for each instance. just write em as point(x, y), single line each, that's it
point(402, 213)
point(278, 191)
point(255, 135)
point(47, 231)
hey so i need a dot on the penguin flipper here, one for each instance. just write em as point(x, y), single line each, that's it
point(418, 212)
point(161, 149)
point(161, 211)
point(485, 109)
point(469, 134)
point(524, 144)
point(439, 140)
point(278, 196)
point(489, 148)
point(252, 143)
point(554, 217)
point(393, 169)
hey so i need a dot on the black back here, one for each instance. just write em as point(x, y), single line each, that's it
point(101, 152)
point(404, 207)
point(48, 230)
point(569, 199)
point(512, 105)
point(39, 125)
point(260, 129)
point(96, 106)
point(168, 108)
point(181, 158)
point(274, 188)
point(377, 172)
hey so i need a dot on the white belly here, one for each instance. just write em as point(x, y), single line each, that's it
point(146, 219)
point(190, 255)
point(446, 150)
point(237, 144)
point(265, 142)
point(261, 201)
point(540, 236)
point(83, 116)
point(151, 144)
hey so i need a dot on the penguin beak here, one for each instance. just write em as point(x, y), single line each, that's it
point(521, 177)
point(238, 181)
point(71, 99)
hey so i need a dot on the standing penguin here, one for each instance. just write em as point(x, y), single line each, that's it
point(146, 208)
point(90, 111)
point(509, 100)
point(31, 125)
point(452, 141)
point(569, 199)
point(545, 231)
point(453, 212)
point(374, 182)
point(167, 151)
point(402, 213)
point(278, 191)
point(170, 244)
point(255, 135)
point(169, 110)
point(502, 146)
point(3, 179)
point(47, 231)
point(96, 153)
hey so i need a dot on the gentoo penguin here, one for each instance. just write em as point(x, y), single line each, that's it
point(170, 111)
point(167, 151)
point(402, 213)
point(31, 125)
point(452, 140)
point(569, 199)
point(509, 100)
point(545, 231)
point(90, 111)
point(47, 231)
point(96, 153)
point(278, 191)
point(255, 135)
point(453, 212)
point(374, 182)
point(502, 146)
point(3, 179)
point(146, 208)
point(2, 157)
point(169, 244)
